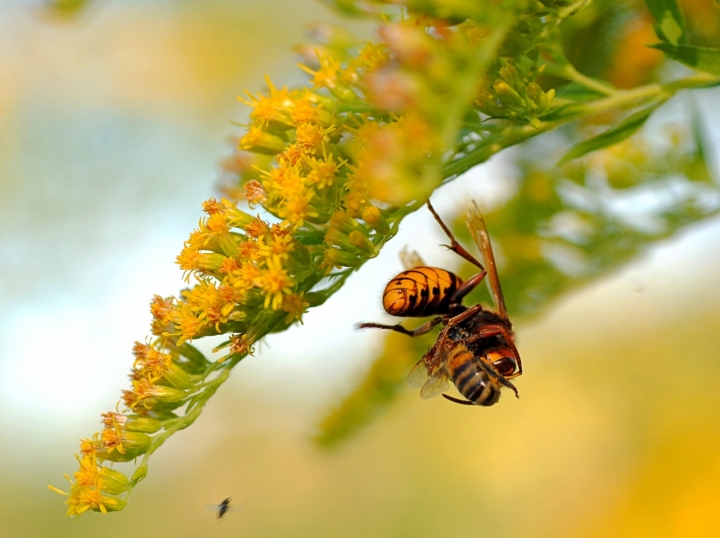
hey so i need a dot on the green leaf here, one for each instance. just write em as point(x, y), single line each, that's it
point(670, 21)
point(696, 167)
point(698, 133)
point(703, 58)
point(612, 136)
point(578, 92)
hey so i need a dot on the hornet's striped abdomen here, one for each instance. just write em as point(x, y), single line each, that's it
point(421, 291)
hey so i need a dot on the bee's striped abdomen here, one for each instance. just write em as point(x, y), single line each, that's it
point(421, 291)
point(470, 380)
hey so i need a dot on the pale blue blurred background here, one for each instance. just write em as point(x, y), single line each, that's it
point(112, 126)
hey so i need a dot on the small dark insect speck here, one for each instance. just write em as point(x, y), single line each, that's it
point(223, 508)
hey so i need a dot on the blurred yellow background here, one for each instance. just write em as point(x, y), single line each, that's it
point(112, 127)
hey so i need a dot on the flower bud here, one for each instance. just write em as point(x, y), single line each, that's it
point(337, 257)
point(237, 218)
point(151, 395)
point(509, 97)
point(134, 444)
point(272, 119)
point(164, 407)
point(259, 141)
point(118, 505)
point(111, 419)
point(375, 220)
point(510, 73)
point(227, 243)
point(140, 473)
point(176, 377)
point(343, 222)
point(540, 99)
point(113, 482)
point(362, 243)
point(337, 238)
point(156, 414)
point(135, 423)
point(209, 261)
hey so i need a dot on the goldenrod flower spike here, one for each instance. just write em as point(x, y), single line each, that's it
point(335, 165)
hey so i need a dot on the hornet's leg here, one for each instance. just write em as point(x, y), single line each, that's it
point(458, 249)
point(463, 316)
point(498, 330)
point(424, 328)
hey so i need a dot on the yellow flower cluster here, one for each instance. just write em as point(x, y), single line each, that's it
point(91, 484)
point(333, 170)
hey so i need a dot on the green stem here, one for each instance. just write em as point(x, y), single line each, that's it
point(187, 420)
point(569, 72)
point(572, 9)
point(514, 134)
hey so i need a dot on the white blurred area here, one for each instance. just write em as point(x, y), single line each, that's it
point(113, 127)
point(112, 130)
point(675, 278)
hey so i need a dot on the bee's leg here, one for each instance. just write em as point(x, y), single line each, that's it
point(463, 402)
point(497, 330)
point(424, 328)
point(509, 385)
point(432, 358)
point(458, 249)
point(490, 370)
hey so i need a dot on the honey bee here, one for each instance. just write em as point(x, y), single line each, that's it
point(476, 348)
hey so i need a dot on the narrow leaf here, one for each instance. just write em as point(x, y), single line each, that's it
point(578, 92)
point(697, 167)
point(612, 136)
point(698, 131)
point(670, 21)
point(384, 381)
point(703, 58)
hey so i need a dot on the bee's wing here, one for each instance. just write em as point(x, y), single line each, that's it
point(410, 259)
point(476, 225)
point(431, 385)
point(418, 375)
point(435, 385)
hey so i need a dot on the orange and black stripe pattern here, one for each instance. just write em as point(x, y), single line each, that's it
point(470, 380)
point(421, 291)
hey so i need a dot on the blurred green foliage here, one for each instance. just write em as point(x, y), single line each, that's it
point(379, 388)
point(568, 224)
point(66, 8)
point(378, 128)
point(562, 227)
